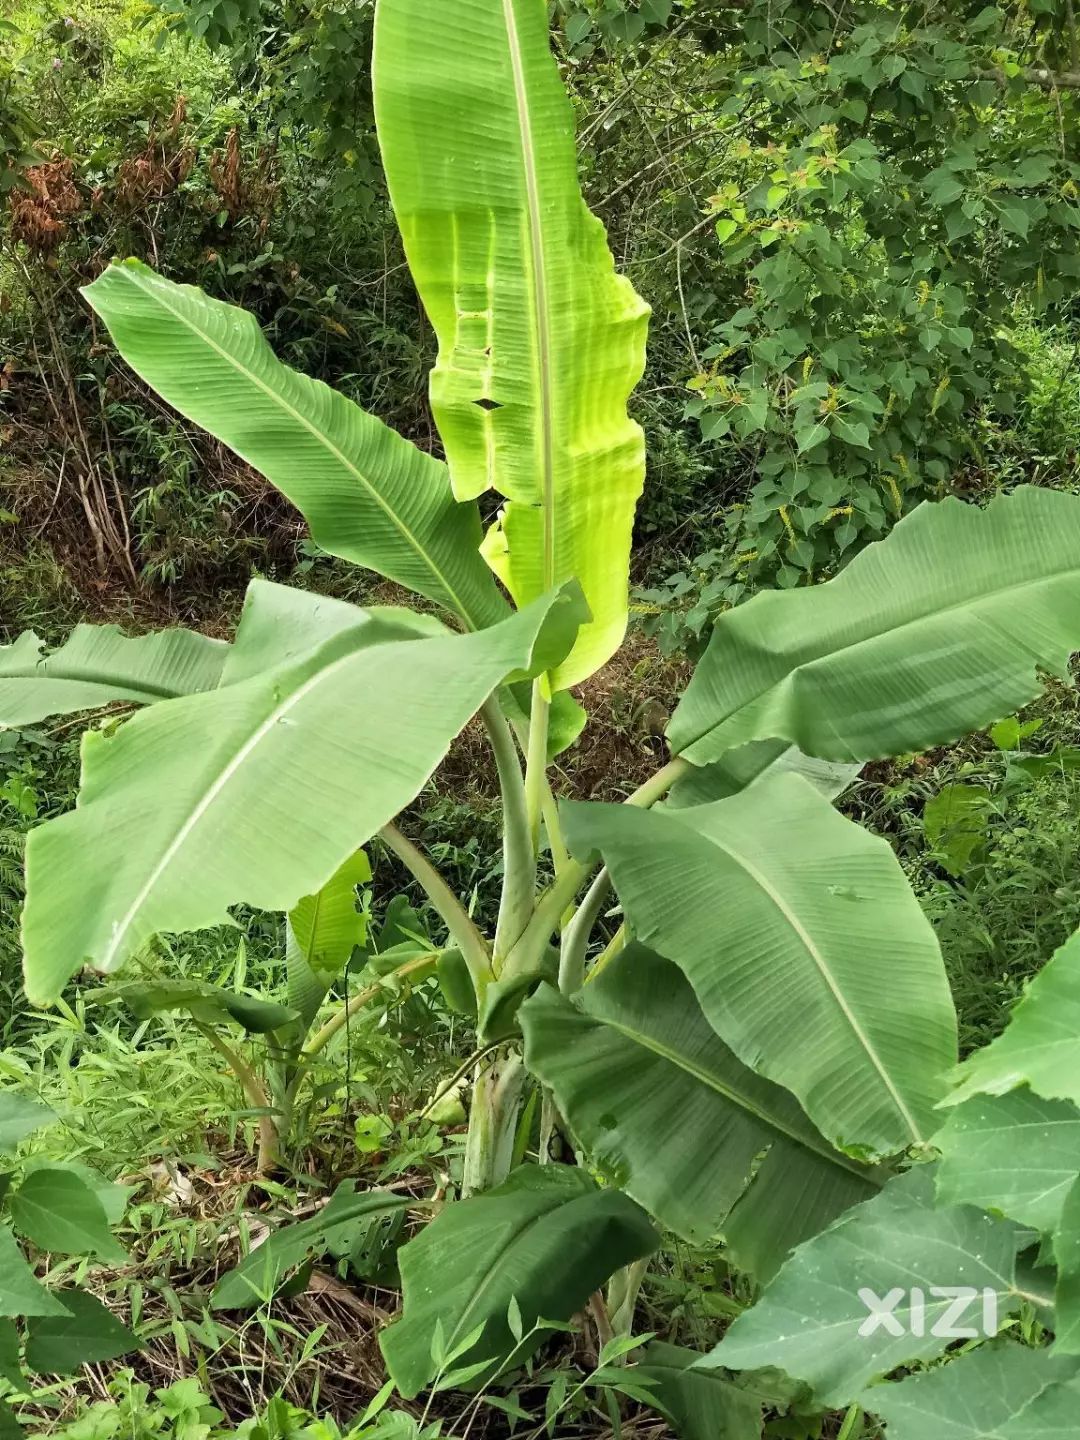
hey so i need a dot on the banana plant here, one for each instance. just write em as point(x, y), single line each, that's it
point(763, 1046)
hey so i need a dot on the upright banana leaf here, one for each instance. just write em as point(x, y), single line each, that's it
point(256, 792)
point(664, 1109)
point(99, 665)
point(804, 944)
point(540, 342)
point(367, 494)
point(929, 634)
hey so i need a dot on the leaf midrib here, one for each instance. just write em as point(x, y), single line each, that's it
point(538, 285)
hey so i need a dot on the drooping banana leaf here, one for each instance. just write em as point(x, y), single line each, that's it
point(210, 1004)
point(321, 933)
point(368, 495)
point(540, 342)
point(261, 1271)
point(663, 1108)
point(806, 948)
point(927, 635)
point(542, 1242)
point(256, 792)
point(99, 665)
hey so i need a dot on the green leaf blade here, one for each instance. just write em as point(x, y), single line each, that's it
point(99, 665)
point(260, 1273)
point(666, 1111)
point(812, 1322)
point(547, 1238)
point(822, 937)
point(540, 342)
point(256, 792)
point(932, 633)
point(56, 1210)
point(368, 495)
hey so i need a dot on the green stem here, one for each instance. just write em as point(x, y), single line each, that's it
point(450, 909)
point(536, 760)
point(622, 1297)
point(575, 935)
point(548, 808)
point(326, 1033)
point(657, 786)
point(519, 854)
point(254, 1094)
point(852, 1419)
point(551, 906)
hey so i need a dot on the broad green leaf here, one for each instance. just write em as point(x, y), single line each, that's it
point(1017, 1154)
point(56, 1210)
point(10, 1363)
point(368, 495)
point(700, 1404)
point(749, 763)
point(10, 1428)
point(261, 1272)
point(86, 1334)
point(1040, 1046)
point(931, 633)
point(256, 793)
point(807, 950)
point(99, 665)
point(811, 1319)
point(112, 1196)
point(547, 1239)
point(1067, 1257)
point(21, 1115)
point(1051, 1416)
point(540, 342)
point(976, 1396)
point(280, 624)
point(321, 933)
point(663, 1108)
point(20, 1292)
point(207, 1003)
